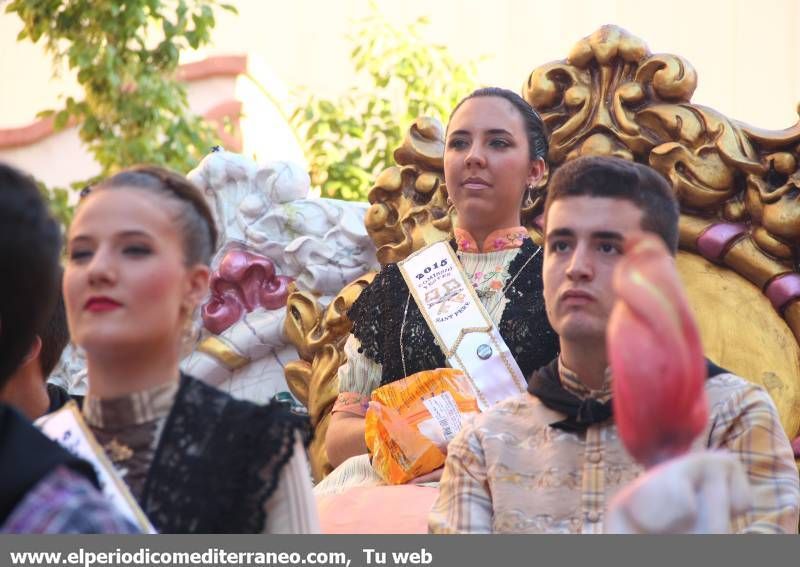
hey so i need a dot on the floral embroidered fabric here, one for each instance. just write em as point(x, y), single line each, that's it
point(491, 280)
point(501, 239)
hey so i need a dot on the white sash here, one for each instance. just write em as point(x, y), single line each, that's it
point(462, 327)
point(67, 427)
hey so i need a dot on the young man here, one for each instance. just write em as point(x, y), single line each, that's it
point(551, 460)
point(27, 388)
point(43, 488)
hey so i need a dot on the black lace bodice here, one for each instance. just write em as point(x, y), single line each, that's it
point(377, 317)
point(218, 461)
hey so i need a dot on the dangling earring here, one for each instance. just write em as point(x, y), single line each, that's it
point(188, 336)
point(187, 329)
point(528, 202)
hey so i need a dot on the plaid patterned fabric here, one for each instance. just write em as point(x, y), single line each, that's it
point(509, 472)
point(66, 503)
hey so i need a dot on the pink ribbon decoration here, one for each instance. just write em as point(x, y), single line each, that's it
point(656, 356)
point(243, 282)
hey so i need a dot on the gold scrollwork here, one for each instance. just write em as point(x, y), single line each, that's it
point(409, 201)
point(319, 335)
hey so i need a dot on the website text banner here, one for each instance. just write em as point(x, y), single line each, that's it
point(396, 551)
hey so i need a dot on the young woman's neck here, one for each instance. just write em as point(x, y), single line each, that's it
point(117, 375)
point(587, 360)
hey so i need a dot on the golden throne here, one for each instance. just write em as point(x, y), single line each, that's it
point(739, 189)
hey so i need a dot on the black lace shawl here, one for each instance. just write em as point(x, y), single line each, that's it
point(218, 461)
point(377, 316)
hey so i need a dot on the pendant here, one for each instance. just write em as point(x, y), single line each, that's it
point(117, 452)
point(485, 294)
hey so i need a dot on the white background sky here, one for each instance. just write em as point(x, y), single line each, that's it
point(747, 53)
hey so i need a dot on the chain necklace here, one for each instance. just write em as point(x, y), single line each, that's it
point(490, 313)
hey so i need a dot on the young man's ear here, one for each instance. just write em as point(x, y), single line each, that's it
point(34, 351)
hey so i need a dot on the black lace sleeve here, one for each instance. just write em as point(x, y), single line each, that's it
point(377, 317)
point(524, 325)
point(218, 462)
point(377, 314)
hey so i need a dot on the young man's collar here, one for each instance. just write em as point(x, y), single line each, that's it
point(573, 384)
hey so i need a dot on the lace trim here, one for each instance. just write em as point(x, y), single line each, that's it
point(133, 409)
point(191, 488)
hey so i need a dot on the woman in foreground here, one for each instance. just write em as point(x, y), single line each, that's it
point(196, 460)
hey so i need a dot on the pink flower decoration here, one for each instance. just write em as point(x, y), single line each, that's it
point(243, 282)
point(496, 284)
point(656, 356)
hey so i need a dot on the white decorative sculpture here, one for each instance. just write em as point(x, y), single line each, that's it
point(271, 234)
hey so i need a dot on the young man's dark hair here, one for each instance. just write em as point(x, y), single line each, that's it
point(619, 179)
point(55, 338)
point(54, 335)
point(30, 241)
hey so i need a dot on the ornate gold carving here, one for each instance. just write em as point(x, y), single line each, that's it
point(612, 97)
point(748, 260)
point(409, 202)
point(223, 351)
point(319, 336)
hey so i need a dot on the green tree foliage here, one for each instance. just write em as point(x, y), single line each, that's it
point(348, 141)
point(125, 54)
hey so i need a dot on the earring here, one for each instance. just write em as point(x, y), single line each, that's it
point(188, 335)
point(528, 202)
